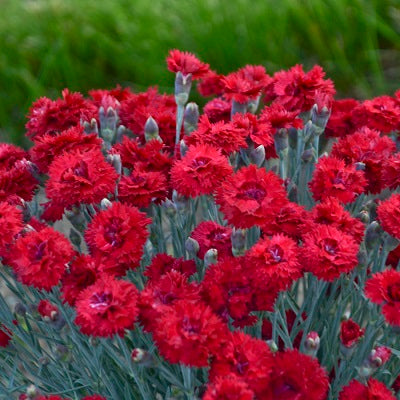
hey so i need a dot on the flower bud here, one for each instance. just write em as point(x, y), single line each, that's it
point(91, 127)
point(183, 148)
point(151, 131)
point(281, 140)
point(32, 391)
point(257, 155)
point(63, 353)
point(20, 309)
point(121, 132)
point(181, 202)
point(183, 84)
point(142, 357)
point(320, 117)
point(308, 155)
point(115, 161)
point(192, 246)
point(191, 118)
point(379, 355)
point(311, 344)
point(252, 105)
point(169, 207)
point(363, 216)
point(211, 257)
point(360, 166)
point(272, 346)
point(238, 239)
point(372, 235)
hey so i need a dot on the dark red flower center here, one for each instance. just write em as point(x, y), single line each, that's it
point(218, 234)
point(276, 253)
point(81, 170)
point(111, 234)
point(394, 291)
point(138, 180)
point(200, 162)
point(286, 391)
point(330, 246)
point(38, 251)
point(253, 192)
point(190, 326)
point(100, 301)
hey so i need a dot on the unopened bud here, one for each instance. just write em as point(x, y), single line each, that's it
point(211, 257)
point(169, 207)
point(360, 166)
point(105, 203)
point(191, 118)
point(390, 242)
point(91, 127)
point(372, 235)
point(308, 155)
point(363, 216)
point(252, 105)
point(31, 391)
point(320, 117)
point(311, 344)
point(192, 246)
point(181, 202)
point(272, 346)
point(183, 148)
point(20, 309)
point(151, 131)
point(257, 155)
point(238, 239)
point(183, 84)
point(379, 355)
point(62, 353)
point(121, 132)
point(292, 133)
point(281, 140)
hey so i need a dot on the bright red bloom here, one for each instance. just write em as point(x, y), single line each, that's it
point(224, 136)
point(135, 111)
point(350, 333)
point(328, 252)
point(211, 84)
point(47, 309)
point(368, 147)
point(149, 157)
point(51, 397)
point(107, 308)
point(186, 63)
point(49, 146)
point(163, 263)
point(80, 177)
point(82, 273)
point(276, 259)
point(118, 93)
point(390, 172)
point(247, 358)
point(39, 258)
point(5, 336)
point(296, 376)
point(384, 289)
point(211, 235)
point(252, 196)
point(374, 390)
point(142, 188)
point(389, 215)
point(381, 113)
point(332, 178)
point(94, 397)
point(218, 110)
point(229, 290)
point(10, 224)
point(48, 116)
point(10, 154)
point(331, 212)
point(189, 333)
point(159, 294)
point(341, 122)
point(117, 236)
point(297, 90)
point(228, 388)
point(278, 117)
point(200, 171)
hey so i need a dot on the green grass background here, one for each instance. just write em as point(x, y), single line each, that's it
point(46, 45)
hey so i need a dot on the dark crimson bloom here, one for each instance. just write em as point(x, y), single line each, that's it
point(296, 90)
point(106, 308)
point(149, 157)
point(135, 111)
point(227, 137)
point(159, 294)
point(393, 257)
point(380, 355)
point(200, 171)
point(252, 196)
point(163, 263)
point(381, 113)
point(211, 235)
point(396, 384)
point(49, 146)
point(248, 359)
point(80, 177)
point(374, 390)
point(333, 178)
point(10, 154)
point(328, 252)
point(141, 188)
point(10, 225)
point(341, 121)
point(296, 376)
point(48, 116)
point(51, 397)
point(82, 272)
point(117, 236)
point(228, 388)
point(189, 333)
point(186, 63)
point(47, 309)
point(390, 172)
point(229, 290)
point(39, 258)
point(350, 333)
point(218, 110)
point(389, 215)
point(5, 336)
point(384, 289)
point(331, 212)
point(211, 84)
point(276, 259)
point(94, 397)
point(368, 147)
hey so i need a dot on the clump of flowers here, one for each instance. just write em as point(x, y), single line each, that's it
point(244, 251)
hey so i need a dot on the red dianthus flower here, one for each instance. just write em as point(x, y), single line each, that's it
point(106, 308)
point(374, 390)
point(341, 122)
point(200, 171)
point(5, 335)
point(211, 85)
point(384, 289)
point(389, 215)
point(328, 252)
point(186, 63)
point(252, 196)
point(350, 333)
point(390, 172)
point(94, 397)
point(39, 258)
point(117, 236)
point(228, 388)
point(163, 263)
point(10, 224)
point(218, 110)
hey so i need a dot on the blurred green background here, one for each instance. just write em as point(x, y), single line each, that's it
point(46, 45)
